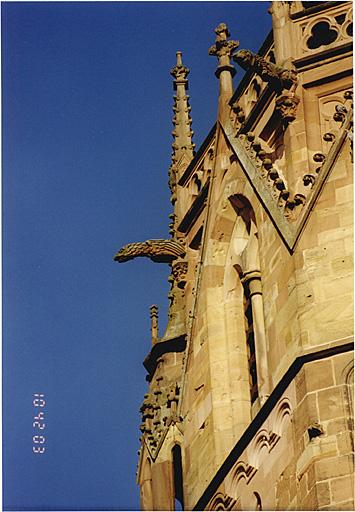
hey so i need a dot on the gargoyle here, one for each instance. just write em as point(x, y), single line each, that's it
point(160, 251)
point(278, 77)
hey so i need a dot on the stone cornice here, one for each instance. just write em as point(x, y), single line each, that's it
point(315, 9)
point(312, 60)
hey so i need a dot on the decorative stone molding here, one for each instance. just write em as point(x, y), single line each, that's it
point(265, 168)
point(267, 419)
point(262, 444)
point(159, 250)
point(327, 30)
point(241, 471)
point(222, 501)
point(159, 411)
point(179, 270)
point(263, 440)
point(252, 279)
point(289, 212)
point(282, 411)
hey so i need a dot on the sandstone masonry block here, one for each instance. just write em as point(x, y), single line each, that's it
point(342, 488)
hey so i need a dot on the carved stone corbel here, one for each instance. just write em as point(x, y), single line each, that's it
point(286, 106)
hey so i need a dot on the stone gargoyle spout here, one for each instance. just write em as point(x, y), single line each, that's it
point(160, 251)
point(280, 78)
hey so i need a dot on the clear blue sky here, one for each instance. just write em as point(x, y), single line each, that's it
point(87, 109)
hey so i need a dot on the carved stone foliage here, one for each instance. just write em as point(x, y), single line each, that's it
point(159, 250)
point(277, 77)
point(158, 412)
point(179, 270)
point(223, 47)
point(179, 72)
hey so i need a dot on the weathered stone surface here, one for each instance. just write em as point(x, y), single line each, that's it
point(333, 467)
point(342, 488)
point(262, 286)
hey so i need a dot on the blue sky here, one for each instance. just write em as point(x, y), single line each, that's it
point(87, 108)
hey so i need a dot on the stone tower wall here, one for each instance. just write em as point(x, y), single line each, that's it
point(252, 380)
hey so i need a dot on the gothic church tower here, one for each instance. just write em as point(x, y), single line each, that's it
point(250, 399)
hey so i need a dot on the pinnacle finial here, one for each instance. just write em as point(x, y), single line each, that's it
point(223, 48)
point(179, 72)
point(222, 32)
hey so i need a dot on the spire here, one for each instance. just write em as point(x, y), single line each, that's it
point(183, 147)
point(223, 50)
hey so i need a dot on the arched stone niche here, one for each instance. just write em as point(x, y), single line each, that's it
point(240, 247)
point(233, 272)
point(245, 262)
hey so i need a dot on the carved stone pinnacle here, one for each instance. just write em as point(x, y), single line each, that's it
point(153, 311)
point(222, 32)
point(223, 47)
point(179, 72)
